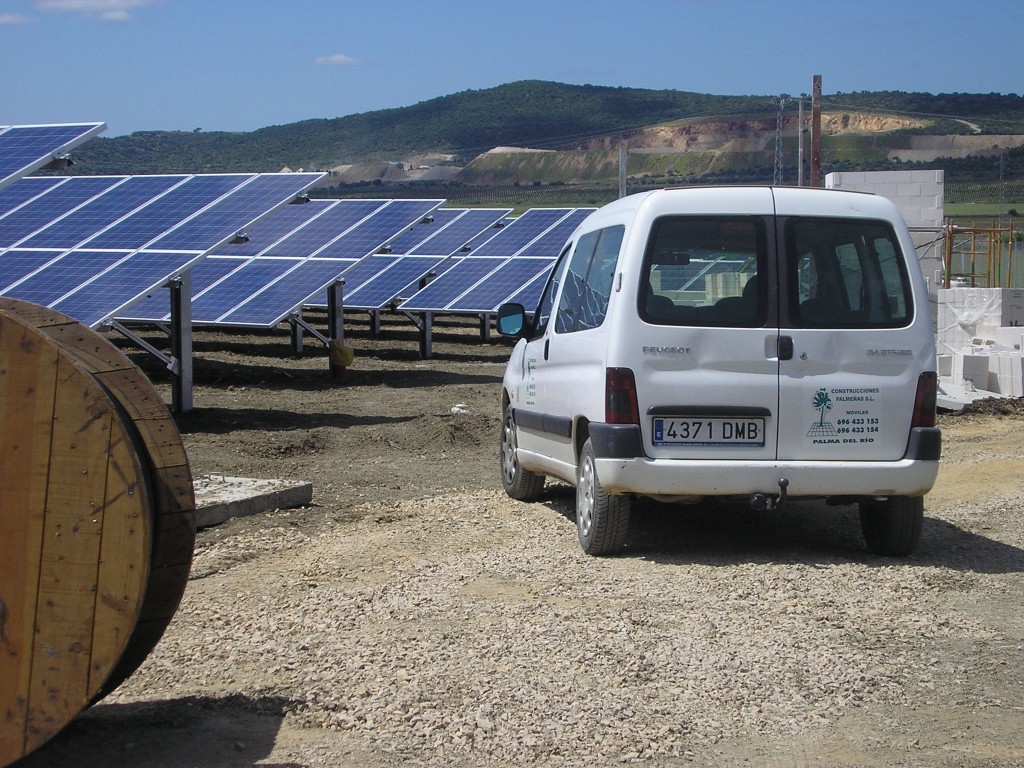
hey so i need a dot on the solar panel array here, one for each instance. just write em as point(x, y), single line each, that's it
point(289, 261)
point(510, 266)
point(89, 246)
point(27, 148)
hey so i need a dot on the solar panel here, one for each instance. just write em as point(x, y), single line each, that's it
point(15, 264)
point(515, 236)
point(273, 229)
point(383, 288)
point(278, 299)
point(461, 231)
point(243, 283)
point(100, 212)
point(153, 308)
point(177, 204)
point(447, 287)
point(23, 190)
point(372, 233)
point(49, 203)
point(499, 285)
point(249, 202)
point(26, 148)
point(424, 230)
point(550, 243)
point(92, 285)
point(534, 240)
point(325, 228)
point(108, 292)
point(529, 294)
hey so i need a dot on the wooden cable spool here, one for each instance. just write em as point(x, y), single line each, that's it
point(97, 521)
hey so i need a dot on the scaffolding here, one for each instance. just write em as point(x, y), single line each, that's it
point(979, 257)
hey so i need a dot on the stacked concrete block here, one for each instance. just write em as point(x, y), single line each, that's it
point(981, 338)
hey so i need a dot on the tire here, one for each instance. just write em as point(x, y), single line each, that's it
point(892, 527)
point(521, 484)
point(602, 520)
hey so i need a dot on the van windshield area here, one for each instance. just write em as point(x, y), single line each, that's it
point(846, 273)
point(704, 271)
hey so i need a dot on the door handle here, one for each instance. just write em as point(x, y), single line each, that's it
point(785, 347)
point(546, 343)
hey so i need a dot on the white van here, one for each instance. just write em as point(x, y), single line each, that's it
point(752, 342)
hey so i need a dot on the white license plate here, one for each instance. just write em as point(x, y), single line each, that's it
point(709, 431)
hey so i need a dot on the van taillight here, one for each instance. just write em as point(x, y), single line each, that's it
point(924, 403)
point(620, 404)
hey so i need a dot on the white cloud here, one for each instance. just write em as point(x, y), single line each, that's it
point(12, 19)
point(105, 10)
point(336, 60)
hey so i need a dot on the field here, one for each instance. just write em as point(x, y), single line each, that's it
point(414, 615)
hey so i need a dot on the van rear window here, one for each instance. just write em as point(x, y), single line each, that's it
point(703, 270)
point(846, 273)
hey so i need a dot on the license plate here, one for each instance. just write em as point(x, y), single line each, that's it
point(709, 431)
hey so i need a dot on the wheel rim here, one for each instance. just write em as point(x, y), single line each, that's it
point(585, 496)
point(509, 463)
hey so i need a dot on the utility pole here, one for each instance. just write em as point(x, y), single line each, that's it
point(816, 131)
point(622, 168)
point(801, 129)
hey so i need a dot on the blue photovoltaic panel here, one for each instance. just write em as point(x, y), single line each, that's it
point(552, 241)
point(15, 264)
point(449, 286)
point(167, 211)
point(278, 225)
point(23, 190)
point(248, 203)
point(425, 229)
point(46, 208)
point(62, 276)
point(290, 292)
point(102, 211)
point(325, 228)
point(499, 285)
point(238, 287)
point(381, 290)
point(385, 224)
point(113, 289)
point(365, 269)
point(529, 294)
point(521, 231)
point(156, 305)
point(461, 231)
point(25, 148)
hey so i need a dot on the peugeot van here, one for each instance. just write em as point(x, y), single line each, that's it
point(755, 343)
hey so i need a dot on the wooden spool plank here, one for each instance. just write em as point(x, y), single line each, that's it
point(28, 375)
point(98, 542)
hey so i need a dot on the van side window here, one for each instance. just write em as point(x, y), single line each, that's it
point(848, 273)
point(547, 299)
point(703, 270)
point(589, 280)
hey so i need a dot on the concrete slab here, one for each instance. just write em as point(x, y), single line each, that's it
point(219, 498)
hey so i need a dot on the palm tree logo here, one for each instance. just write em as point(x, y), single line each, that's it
point(822, 404)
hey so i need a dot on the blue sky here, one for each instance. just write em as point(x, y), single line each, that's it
point(239, 65)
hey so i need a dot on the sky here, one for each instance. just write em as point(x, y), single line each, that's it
point(240, 65)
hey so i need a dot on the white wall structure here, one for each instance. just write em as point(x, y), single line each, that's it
point(920, 197)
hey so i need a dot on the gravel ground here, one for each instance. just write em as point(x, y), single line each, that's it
point(414, 615)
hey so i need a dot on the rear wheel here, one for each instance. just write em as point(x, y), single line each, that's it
point(602, 520)
point(892, 527)
point(519, 483)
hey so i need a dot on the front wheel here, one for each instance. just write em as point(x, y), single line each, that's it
point(521, 484)
point(602, 520)
point(892, 527)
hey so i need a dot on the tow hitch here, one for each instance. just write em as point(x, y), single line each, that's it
point(763, 502)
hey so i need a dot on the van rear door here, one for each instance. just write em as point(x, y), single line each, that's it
point(850, 343)
point(707, 373)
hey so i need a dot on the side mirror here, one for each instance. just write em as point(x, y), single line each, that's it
point(511, 319)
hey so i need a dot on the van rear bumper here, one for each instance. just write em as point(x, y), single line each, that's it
point(622, 468)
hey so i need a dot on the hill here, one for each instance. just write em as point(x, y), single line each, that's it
point(452, 140)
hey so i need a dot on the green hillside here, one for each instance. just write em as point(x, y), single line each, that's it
point(585, 123)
